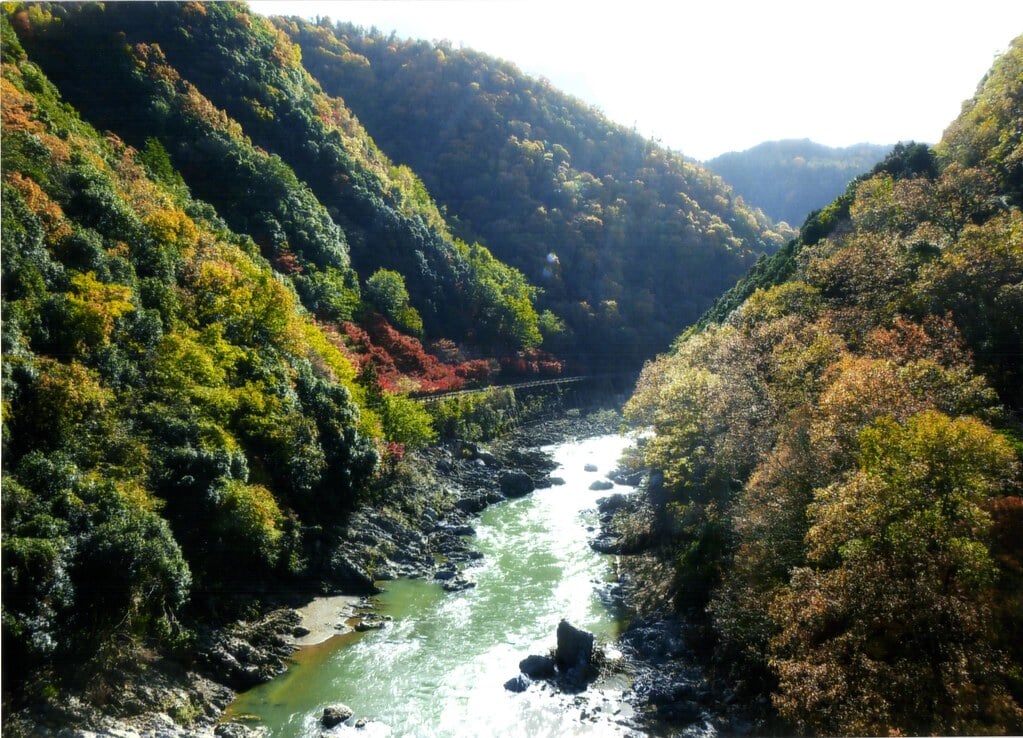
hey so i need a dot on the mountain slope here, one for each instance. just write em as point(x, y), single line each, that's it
point(789, 179)
point(200, 373)
point(628, 241)
point(840, 444)
point(905, 160)
point(205, 260)
point(225, 94)
point(174, 422)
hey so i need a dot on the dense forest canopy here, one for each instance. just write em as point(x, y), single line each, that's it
point(251, 133)
point(789, 179)
point(840, 442)
point(628, 242)
point(172, 415)
point(216, 294)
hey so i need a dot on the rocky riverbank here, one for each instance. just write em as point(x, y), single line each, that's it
point(674, 690)
point(422, 526)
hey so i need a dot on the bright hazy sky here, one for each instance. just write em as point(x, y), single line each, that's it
point(712, 76)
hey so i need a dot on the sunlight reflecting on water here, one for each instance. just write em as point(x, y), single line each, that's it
point(439, 667)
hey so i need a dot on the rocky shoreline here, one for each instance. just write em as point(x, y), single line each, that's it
point(675, 691)
point(429, 535)
point(149, 696)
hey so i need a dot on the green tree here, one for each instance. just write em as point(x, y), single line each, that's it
point(889, 628)
point(406, 421)
point(127, 572)
point(386, 291)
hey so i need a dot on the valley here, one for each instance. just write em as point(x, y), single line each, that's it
point(297, 310)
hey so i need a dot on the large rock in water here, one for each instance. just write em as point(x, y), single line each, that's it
point(478, 500)
point(335, 715)
point(571, 667)
point(537, 667)
point(519, 683)
point(575, 647)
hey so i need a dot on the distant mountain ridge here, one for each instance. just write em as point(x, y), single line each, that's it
point(788, 179)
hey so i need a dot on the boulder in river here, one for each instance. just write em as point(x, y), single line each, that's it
point(335, 715)
point(575, 647)
point(446, 573)
point(590, 468)
point(372, 621)
point(537, 667)
point(519, 683)
point(570, 668)
point(478, 500)
point(611, 504)
point(602, 485)
point(627, 478)
point(363, 625)
point(574, 657)
point(458, 583)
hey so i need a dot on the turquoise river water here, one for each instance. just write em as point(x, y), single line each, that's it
point(439, 667)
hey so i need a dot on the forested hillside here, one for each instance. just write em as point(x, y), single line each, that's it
point(250, 132)
point(840, 446)
point(172, 417)
point(789, 179)
point(218, 293)
point(234, 249)
point(628, 242)
point(214, 291)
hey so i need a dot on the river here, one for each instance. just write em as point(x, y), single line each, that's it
point(439, 667)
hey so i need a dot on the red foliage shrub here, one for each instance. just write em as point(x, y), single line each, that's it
point(287, 263)
point(400, 360)
point(475, 371)
point(531, 363)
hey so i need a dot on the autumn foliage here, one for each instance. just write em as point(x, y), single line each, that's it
point(400, 362)
point(840, 449)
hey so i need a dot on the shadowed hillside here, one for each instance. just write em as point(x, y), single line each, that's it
point(628, 241)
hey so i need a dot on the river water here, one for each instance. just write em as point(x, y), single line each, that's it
point(439, 667)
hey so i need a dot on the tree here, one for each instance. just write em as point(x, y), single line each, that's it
point(386, 291)
point(889, 628)
point(977, 280)
point(405, 421)
point(127, 571)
